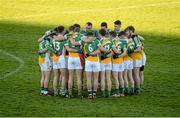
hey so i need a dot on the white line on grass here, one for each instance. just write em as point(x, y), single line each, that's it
point(16, 58)
point(92, 10)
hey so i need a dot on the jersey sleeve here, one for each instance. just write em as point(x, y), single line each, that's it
point(67, 43)
point(98, 42)
point(48, 46)
point(112, 44)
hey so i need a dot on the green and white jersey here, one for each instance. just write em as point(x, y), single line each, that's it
point(67, 36)
point(59, 45)
point(130, 48)
point(91, 47)
point(107, 44)
point(45, 44)
point(121, 45)
point(77, 38)
point(136, 41)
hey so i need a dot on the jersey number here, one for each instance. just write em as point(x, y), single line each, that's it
point(90, 48)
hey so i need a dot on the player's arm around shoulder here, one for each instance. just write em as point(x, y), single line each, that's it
point(70, 49)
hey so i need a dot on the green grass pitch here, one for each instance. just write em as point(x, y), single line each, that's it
point(23, 21)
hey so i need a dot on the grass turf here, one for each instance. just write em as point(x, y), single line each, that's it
point(22, 22)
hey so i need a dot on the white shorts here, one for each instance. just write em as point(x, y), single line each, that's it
point(118, 67)
point(137, 63)
point(128, 65)
point(92, 66)
point(144, 59)
point(74, 63)
point(47, 66)
point(61, 63)
point(105, 67)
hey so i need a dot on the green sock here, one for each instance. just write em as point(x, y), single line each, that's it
point(45, 89)
point(126, 91)
point(102, 93)
point(108, 94)
point(70, 91)
point(137, 90)
point(132, 91)
point(121, 90)
point(117, 91)
point(79, 92)
point(56, 92)
point(42, 88)
point(90, 92)
point(94, 93)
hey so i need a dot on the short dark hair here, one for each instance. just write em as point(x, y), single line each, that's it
point(104, 24)
point(102, 32)
point(112, 33)
point(90, 33)
point(77, 25)
point(89, 23)
point(117, 22)
point(131, 28)
point(59, 29)
point(71, 28)
point(76, 29)
point(121, 33)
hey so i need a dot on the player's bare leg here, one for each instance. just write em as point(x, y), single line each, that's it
point(131, 81)
point(121, 81)
point(115, 77)
point(109, 84)
point(95, 84)
point(89, 84)
point(67, 79)
point(70, 82)
point(141, 77)
point(79, 81)
point(126, 84)
point(136, 79)
point(63, 82)
point(46, 82)
point(42, 82)
point(55, 81)
point(102, 77)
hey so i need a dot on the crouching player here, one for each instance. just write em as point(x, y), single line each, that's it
point(59, 62)
point(45, 63)
point(117, 64)
point(92, 63)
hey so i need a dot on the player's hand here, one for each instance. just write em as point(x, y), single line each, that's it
point(87, 55)
point(38, 53)
point(80, 51)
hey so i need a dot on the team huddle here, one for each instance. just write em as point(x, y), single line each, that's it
point(100, 57)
